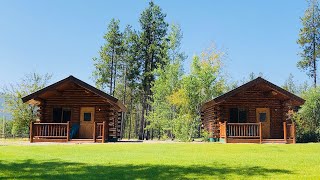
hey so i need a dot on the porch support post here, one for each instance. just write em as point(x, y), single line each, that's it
point(225, 131)
point(31, 132)
point(285, 131)
point(94, 131)
point(68, 131)
point(103, 131)
point(293, 126)
point(260, 132)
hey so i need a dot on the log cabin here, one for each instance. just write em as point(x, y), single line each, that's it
point(72, 110)
point(256, 112)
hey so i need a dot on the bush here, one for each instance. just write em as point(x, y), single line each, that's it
point(308, 117)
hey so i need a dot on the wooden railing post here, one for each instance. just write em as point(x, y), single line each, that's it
point(293, 132)
point(225, 131)
point(68, 131)
point(260, 132)
point(103, 131)
point(94, 131)
point(31, 132)
point(285, 131)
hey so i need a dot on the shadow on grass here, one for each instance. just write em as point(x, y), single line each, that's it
point(54, 169)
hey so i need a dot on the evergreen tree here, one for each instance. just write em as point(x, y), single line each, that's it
point(152, 39)
point(107, 63)
point(309, 40)
point(290, 85)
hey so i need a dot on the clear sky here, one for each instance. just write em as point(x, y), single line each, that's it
point(62, 36)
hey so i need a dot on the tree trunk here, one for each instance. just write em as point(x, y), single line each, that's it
point(142, 122)
point(111, 73)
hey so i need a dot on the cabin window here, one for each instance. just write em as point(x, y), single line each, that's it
point(87, 116)
point(262, 117)
point(238, 115)
point(61, 115)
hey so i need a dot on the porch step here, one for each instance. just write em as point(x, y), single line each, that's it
point(81, 141)
point(274, 141)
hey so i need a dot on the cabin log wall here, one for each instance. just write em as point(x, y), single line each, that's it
point(252, 98)
point(76, 98)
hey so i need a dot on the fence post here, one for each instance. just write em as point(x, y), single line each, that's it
point(285, 131)
point(94, 131)
point(260, 131)
point(225, 131)
point(68, 131)
point(293, 126)
point(31, 132)
point(103, 131)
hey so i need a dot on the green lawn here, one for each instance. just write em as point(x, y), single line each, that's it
point(160, 161)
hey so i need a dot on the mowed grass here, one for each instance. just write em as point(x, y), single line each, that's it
point(160, 161)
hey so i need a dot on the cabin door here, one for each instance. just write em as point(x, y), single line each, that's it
point(86, 122)
point(263, 116)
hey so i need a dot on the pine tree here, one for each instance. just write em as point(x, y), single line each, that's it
point(152, 36)
point(110, 56)
point(309, 40)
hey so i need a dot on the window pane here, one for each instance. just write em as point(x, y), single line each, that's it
point(87, 116)
point(233, 115)
point(66, 116)
point(263, 117)
point(57, 115)
point(242, 116)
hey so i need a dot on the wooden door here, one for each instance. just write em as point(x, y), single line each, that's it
point(263, 116)
point(86, 122)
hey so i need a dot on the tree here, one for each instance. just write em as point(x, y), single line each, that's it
point(107, 63)
point(168, 80)
point(308, 117)
point(290, 85)
point(201, 85)
point(309, 40)
point(152, 45)
point(22, 114)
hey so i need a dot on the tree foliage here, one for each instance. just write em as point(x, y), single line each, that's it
point(22, 113)
point(309, 40)
point(308, 118)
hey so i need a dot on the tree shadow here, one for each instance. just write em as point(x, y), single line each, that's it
point(55, 169)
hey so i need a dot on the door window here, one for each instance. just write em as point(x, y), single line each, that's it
point(87, 116)
point(263, 117)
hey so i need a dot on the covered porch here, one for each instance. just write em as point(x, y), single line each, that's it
point(65, 132)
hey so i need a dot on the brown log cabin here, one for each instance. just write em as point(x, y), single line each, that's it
point(256, 112)
point(72, 110)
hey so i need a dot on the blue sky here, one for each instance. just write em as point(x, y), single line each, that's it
point(61, 37)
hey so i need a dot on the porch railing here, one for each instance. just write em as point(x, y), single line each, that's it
point(244, 130)
point(50, 130)
point(241, 130)
point(99, 131)
point(254, 131)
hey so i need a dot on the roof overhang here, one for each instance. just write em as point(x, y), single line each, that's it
point(36, 100)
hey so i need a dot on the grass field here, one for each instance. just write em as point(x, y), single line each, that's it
point(160, 161)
